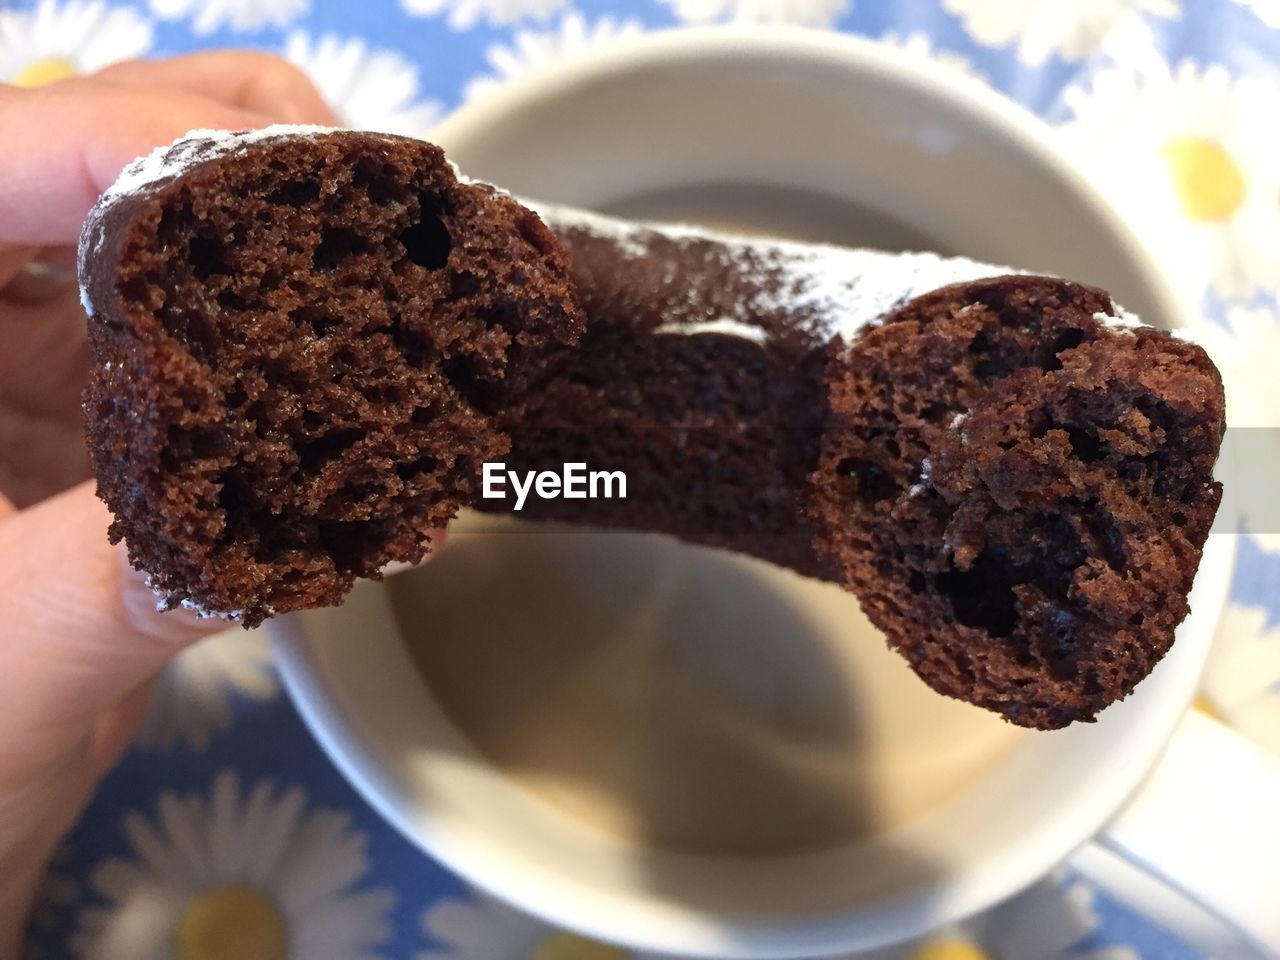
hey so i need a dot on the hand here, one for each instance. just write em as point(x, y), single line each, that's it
point(81, 640)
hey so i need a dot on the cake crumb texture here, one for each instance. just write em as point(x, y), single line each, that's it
point(291, 341)
point(1019, 492)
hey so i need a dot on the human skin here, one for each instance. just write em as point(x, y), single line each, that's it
point(81, 639)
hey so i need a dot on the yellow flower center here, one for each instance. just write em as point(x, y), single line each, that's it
point(949, 949)
point(568, 946)
point(1205, 706)
point(231, 923)
point(1206, 178)
point(40, 72)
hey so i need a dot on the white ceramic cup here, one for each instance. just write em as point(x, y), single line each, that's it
point(825, 137)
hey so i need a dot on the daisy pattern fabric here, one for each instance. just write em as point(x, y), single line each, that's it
point(225, 832)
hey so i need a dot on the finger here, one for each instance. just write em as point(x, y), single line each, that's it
point(61, 257)
point(81, 628)
point(37, 282)
point(244, 79)
point(53, 263)
point(12, 261)
point(118, 728)
point(65, 144)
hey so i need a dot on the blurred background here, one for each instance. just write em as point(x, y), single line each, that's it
point(1169, 106)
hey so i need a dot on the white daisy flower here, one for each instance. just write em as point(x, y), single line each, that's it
point(368, 89)
point(246, 16)
point(1070, 28)
point(465, 14)
point(55, 40)
point(1268, 11)
point(1245, 350)
point(531, 49)
point(919, 46)
point(58, 893)
point(192, 700)
point(236, 875)
point(484, 929)
point(1188, 154)
point(809, 13)
point(1044, 922)
point(1241, 683)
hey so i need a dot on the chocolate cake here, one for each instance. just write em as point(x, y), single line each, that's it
point(1013, 477)
point(1017, 486)
point(700, 376)
point(290, 331)
point(307, 343)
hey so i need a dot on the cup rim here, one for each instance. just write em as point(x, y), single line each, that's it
point(984, 883)
point(1032, 135)
point(1011, 869)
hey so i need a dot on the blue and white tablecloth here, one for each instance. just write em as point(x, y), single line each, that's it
point(227, 812)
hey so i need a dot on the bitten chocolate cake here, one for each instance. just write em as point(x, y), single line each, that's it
point(1014, 479)
point(1018, 487)
point(307, 342)
point(700, 377)
point(290, 329)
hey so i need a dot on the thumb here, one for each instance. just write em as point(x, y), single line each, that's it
point(81, 630)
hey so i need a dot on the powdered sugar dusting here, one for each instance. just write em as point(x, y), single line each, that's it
point(845, 288)
point(165, 163)
point(231, 616)
point(1122, 322)
point(166, 601)
point(925, 481)
point(193, 147)
point(726, 326)
point(627, 236)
